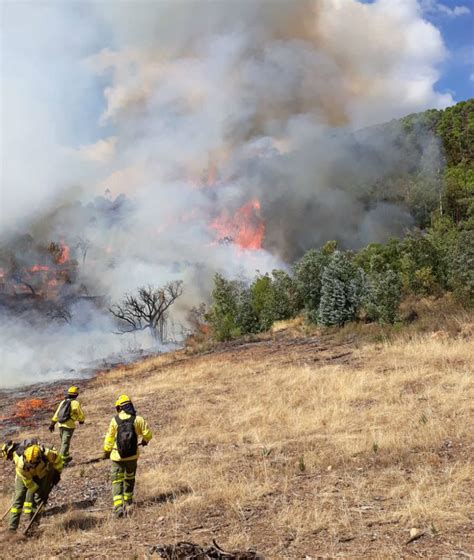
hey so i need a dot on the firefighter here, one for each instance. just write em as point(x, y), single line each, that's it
point(11, 448)
point(67, 414)
point(121, 445)
point(38, 469)
point(8, 450)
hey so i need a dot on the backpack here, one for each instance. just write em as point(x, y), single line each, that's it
point(127, 439)
point(64, 411)
point(20, 447)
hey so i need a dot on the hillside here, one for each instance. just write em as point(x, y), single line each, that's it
point(432, 154)
point(300, 444)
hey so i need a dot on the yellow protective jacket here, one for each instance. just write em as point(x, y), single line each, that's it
point(77, 415)
point(110, 442)
point(50, 458)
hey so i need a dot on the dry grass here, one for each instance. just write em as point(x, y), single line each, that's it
point(320, 457)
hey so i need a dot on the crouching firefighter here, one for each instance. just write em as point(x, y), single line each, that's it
point(9, 449)
point(38, 469)
point(67, 414)
point(121, 445)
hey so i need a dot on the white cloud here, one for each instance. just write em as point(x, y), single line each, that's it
point(100, 152)
point(471, 77)
point(431, 6)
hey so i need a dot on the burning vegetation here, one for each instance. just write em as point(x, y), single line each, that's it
point(25, 411)
point(33, 269)
point(245, 227)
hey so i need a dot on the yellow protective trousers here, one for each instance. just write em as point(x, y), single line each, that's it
point(25, 500)
point(123, 482)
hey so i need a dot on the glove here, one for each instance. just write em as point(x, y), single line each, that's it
point(144, 443)
point(56, 478)
point(106, 455)
point(81, 422)
point(52, 426)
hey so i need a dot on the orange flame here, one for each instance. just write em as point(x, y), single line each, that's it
point(26, 410)
point(27, 407)
point(245, 228)
point(39, 268)
point(65, 253)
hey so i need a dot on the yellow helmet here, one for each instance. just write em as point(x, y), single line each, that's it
point(73, 391)
point(123, 399)
point(7, 450)
point(32, 454)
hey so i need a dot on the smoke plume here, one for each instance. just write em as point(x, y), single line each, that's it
point(181, 138)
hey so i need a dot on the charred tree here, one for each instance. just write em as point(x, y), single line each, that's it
point(147, 309)
point(83, 245)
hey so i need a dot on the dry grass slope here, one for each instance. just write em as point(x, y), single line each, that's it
point(300, 448)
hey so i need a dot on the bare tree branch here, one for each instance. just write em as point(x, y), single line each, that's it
point(147, 309)
point(83, 245)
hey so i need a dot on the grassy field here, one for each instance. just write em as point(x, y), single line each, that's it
point(300, 445)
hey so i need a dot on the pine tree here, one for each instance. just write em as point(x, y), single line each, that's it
point(308, 275)
point(342, 285)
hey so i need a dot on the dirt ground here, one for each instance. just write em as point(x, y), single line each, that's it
point(297, 446)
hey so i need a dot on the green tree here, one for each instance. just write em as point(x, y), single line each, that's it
point(458, 197)
point(462, 279)
point(274, 298)
point(341, 290)
point(223, 314)
point(378, 257)
point(308, 272)
point(420, 264)
point(382, 296)
point(443, 235)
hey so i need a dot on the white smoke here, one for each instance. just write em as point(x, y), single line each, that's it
point(192, 111)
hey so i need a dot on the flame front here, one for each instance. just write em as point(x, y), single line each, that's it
point(39, 268)
point(245, 228)
point(27, 407)
point(65, 254)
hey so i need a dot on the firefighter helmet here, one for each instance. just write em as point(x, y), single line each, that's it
point(123, 399)
point(32, 454)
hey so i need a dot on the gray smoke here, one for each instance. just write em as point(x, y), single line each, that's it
point(176, 138)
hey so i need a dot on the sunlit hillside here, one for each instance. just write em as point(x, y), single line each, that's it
point(299, 445)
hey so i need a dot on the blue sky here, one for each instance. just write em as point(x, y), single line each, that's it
point(455, 20)
point(458, 33)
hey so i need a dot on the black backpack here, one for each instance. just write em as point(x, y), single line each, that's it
point(20, 447)
point(64, 411)
point(127, 440)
